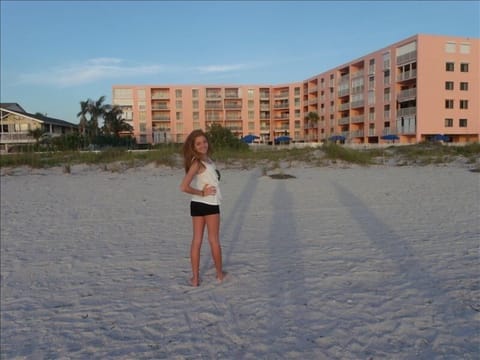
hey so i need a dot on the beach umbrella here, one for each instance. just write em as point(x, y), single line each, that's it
point(282, 139)
point(440, 137)
point(390, 137)
point(250, 138)
point(336, 138)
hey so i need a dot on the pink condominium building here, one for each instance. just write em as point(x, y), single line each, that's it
point(417, 88)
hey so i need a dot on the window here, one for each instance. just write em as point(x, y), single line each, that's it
point(251, 104)
point(450, 47)
point(464, 67)
point(448, 104)
point(463, 104)
point(123, 93)
point(141, 93)
point(251, 93)
point(251, 115)
point(195, 116)
point(448, 122)
point(450, 66)
point(178, 93)
point(194, 93)
point(297, 91)
point(464, 86)
point(464, 48)
point(178, 104)
point(195, 104)
point(143, 127)
point(5, 128)
point(178, 116)
point(448, 85)
point(462, 122)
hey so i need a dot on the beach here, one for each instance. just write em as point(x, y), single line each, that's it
point(335, 262)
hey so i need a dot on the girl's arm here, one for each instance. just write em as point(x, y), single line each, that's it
point(187, 180)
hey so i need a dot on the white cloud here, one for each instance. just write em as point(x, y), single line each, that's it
point(88, 72)
point(93, 70)
point(221, 68)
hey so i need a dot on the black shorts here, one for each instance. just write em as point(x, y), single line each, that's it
point(201, 209)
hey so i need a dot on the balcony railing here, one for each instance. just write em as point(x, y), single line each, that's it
point(281, 105)
point(407, 111)
point(19, 137)
point(233, 106)
point(405, 58)
point(407, 75)
point(160, 96)
point(161, 118)
point(407, 94)
point(283, 94)
point(357, 104)
point(358, 119)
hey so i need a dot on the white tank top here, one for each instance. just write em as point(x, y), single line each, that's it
point(208, 176)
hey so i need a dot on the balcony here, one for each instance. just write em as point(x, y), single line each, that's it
point(407, 75)
point(389, 130)
point(160, 107)
point(283, 94)
point(213, 95)
point(281, 105)
point(357, 133)
point(406, 58)
point(160, 118)
point(17, 137)
point(407, 111)
point(408, 94)
point(343, 92)
point(358, 119)
point(232, 94)
point(233, 105)
point(358, 104)
point(344, 120)
point(160, 95)
point(214, 105)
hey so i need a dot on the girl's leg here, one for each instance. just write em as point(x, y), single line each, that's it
point(198, 229)
point(213, 227)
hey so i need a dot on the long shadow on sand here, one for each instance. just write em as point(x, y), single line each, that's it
point(286, 275)
point(236, 218)
point(397, 249)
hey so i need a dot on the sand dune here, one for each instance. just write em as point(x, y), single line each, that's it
point(335, 263)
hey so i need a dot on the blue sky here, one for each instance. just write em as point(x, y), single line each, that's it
point(55, 54)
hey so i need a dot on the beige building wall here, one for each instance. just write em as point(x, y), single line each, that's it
point(403, 89)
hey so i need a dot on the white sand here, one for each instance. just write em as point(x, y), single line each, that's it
point(352, 263)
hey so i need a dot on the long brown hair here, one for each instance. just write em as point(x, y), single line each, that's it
point(189, 153)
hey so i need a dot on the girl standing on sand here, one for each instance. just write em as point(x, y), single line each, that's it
point(202, 181)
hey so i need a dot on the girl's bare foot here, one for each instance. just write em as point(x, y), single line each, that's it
point(194, 282)
point(221, 276)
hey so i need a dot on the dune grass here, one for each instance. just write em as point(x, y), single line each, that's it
point(170, 155)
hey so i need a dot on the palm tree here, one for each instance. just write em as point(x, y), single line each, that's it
point(90, 112)
point(311, 120)
point(83, 116)
point(96, 109)
point(114, 123)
